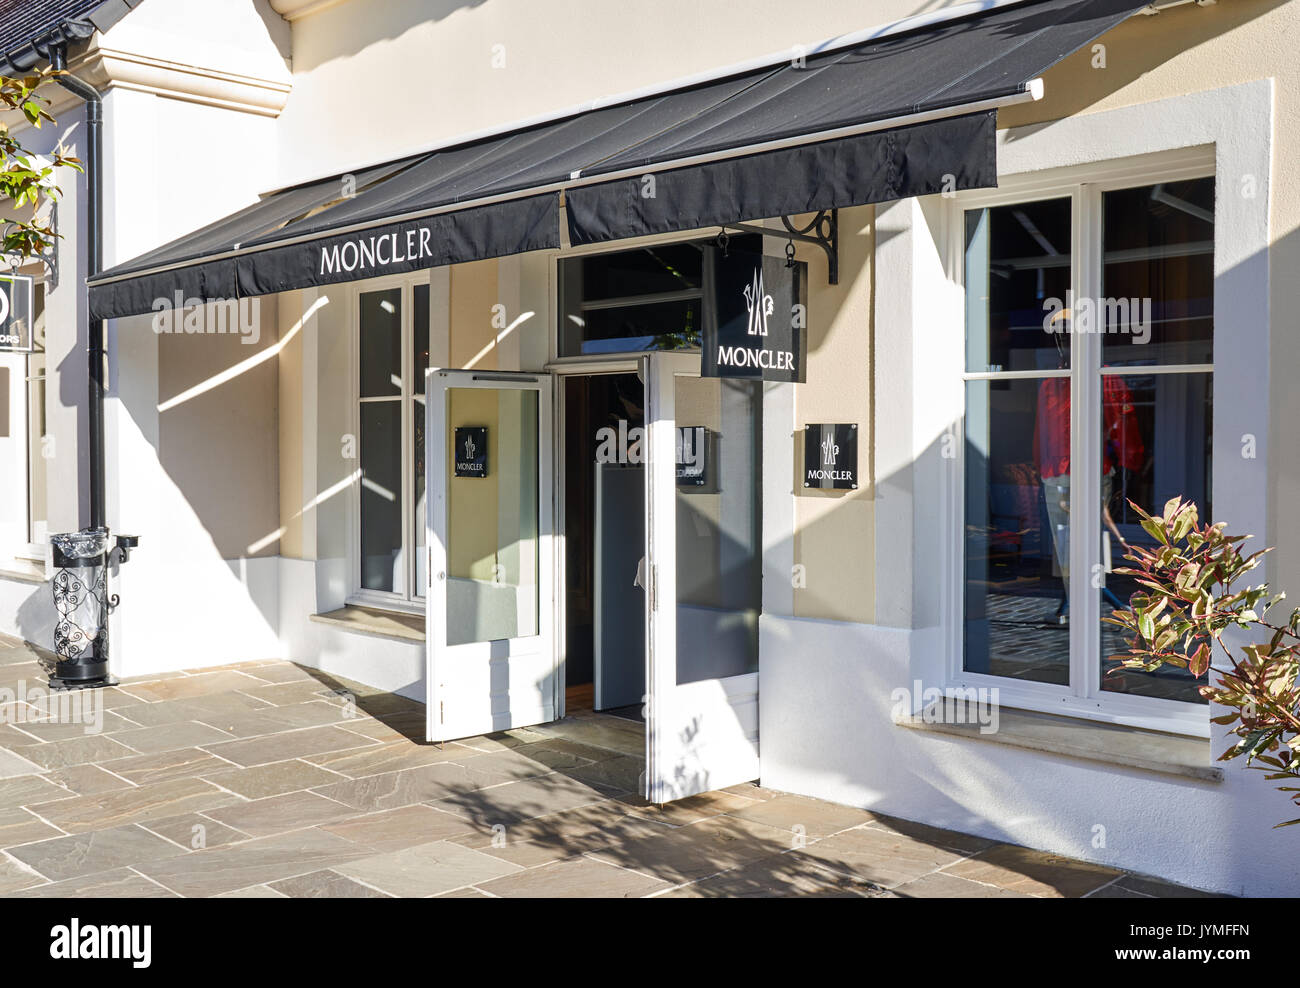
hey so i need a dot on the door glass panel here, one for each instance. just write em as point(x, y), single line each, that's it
point(1156, 429)
point(719, 526)
point(492, 515)
point(381, 496)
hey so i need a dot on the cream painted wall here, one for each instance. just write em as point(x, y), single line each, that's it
point(835, 530)
point(450, 67)
point(474, 296)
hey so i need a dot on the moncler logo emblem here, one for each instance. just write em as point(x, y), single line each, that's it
point(469, 447)
point(759, 304)
point(829, 451)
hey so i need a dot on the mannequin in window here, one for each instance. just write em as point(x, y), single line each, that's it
point(1121, 446)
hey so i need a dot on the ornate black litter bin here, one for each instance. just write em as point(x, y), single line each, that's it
point(83, 602)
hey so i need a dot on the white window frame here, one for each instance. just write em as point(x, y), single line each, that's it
point(1084, 188)
point(919, 329)
point(412, 600)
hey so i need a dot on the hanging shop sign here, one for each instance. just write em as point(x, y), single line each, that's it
point(15, 313)
point(758, 332)
point(830, 457)
point(692, 456)
point(471, 453)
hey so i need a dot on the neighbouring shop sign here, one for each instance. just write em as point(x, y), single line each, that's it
point(758, 332)
point(15, 312)
point(830, 457)
point(471, 453)
point(692, 456)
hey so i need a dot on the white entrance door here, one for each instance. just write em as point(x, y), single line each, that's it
point(704, 576)
point(491, 619)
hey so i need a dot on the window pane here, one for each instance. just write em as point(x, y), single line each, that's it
point(1017, 271)
point(719, 526)
point(492, 521)
point(381, 343)
point(382, 565)
point(656, 326)
point(1158, 277)
point(420, 362)
point(418, 502)
point(649, 271)
point(1157, 429)
point(37, 463)
point(419, 337)
point(1017, 498)
point(646, 299)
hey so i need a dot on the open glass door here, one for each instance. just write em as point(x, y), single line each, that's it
point(491, 623)
point(704, 576)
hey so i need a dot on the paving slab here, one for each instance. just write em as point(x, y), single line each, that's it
point(515, 802)
point(879, 856)
point(802, 815)
point(325, 885)
point(277, 814)
point(417, 785)
point(28, 790)
point(180, 763)
point(63, 858)
point(942, 885)
point(254, 862)
point(426, 869)
point(1035, 872)
point(286, 745)
point(83, 780)
point(392, 830)
point(74, 751)
point(385, 758)
point(169, 737)
point(193, 831)
point(778, 876)
point(181, 687)
point(123, 883)
point(575, 878)
point(697, 850)
point(20, 826)
point(271, 779)
point(101, 811)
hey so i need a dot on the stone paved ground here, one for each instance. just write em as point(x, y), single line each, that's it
point(260, 779)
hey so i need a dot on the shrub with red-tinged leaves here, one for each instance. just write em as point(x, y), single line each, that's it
point(1193, 592)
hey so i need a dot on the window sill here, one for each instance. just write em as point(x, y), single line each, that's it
point(374, 621)
point(22, 570)
point(1153, 751)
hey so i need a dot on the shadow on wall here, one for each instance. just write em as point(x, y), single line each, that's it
point(385, 22)
point(1131, 50)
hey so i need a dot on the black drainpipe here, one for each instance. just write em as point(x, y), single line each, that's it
point(89, 95)
point(86, 665)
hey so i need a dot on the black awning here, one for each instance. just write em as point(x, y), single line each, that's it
point(910, 112)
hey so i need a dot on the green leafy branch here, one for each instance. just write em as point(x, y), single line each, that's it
point(25, 179)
